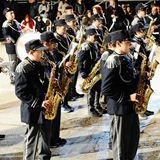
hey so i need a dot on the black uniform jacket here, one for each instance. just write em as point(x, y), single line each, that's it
point(12, 31)
point(30, 87)
point(118, 82)
point(87, 58)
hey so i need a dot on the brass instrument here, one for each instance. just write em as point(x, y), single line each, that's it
point(85, 87)
point(64, 80)
point(52, 95)
point(73, 58)
point(153, 67)
point(149, 34)
point(142, 88)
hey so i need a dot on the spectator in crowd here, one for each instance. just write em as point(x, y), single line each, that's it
point(11, 4)
point(27, 25)
point(33, 8)
point(44, 9)
point(62, 5)
point(114, 16)
point(129, 13)
point(97, 9)
point(40, 25)
point(86, 19)
point(58, 15)
point(80, 9)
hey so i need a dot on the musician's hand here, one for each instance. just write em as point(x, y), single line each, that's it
point(87, 80)
point(69, 64)
point(46, 104)
point(76, 52)
point(155, 27)
point(135, 97)
point(8, 41)
point(146, 40)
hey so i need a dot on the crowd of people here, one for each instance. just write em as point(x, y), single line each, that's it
point(105, 48)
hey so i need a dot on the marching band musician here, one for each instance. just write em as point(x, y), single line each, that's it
point(50, 41)
point(139, 32)
point(11, 32)
point(119, 85)
point(95, 23)
point(141, 10)
point(31, 84)
point(62, 46)
point(88, 57)
point(72, 31)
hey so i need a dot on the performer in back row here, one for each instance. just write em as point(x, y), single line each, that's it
point(88, 57)
point(11, 32)
point(60, 53)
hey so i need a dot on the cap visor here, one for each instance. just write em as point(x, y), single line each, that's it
point(41, 48)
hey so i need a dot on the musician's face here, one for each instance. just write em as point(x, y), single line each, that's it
point(36, 55)
point(61, 30)
point(10, 15)
point(97, 22)
point(124, 47)
point(92, 38)
point(51, 46)
point(141, 33)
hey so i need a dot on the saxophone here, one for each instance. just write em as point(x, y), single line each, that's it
point(142, 87)
point(85, 87)
point(64, 80)
point(153, 66)
point(149, 34)
point(52, 95)
point(73, 58)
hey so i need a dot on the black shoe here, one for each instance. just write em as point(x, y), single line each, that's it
point(67, 108)
point(95, 113)
point(102, 111)
point(12, 82)
point(2, 136)
point(62, 141)
point(54, 145)
point(149, 113)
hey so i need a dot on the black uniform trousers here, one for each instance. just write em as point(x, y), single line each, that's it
point(56, 126)
point(124, 127)
point(93, 97)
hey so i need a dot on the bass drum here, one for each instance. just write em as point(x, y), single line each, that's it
point(20, 45)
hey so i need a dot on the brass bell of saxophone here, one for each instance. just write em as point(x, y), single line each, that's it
point(94, 78)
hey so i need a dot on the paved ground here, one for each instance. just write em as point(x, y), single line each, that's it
point(87, 137)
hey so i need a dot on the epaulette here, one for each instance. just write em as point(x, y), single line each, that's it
point(105, 55)
point(24, 67)
point(6, 24)
point(113, 60)
point(85, 46)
